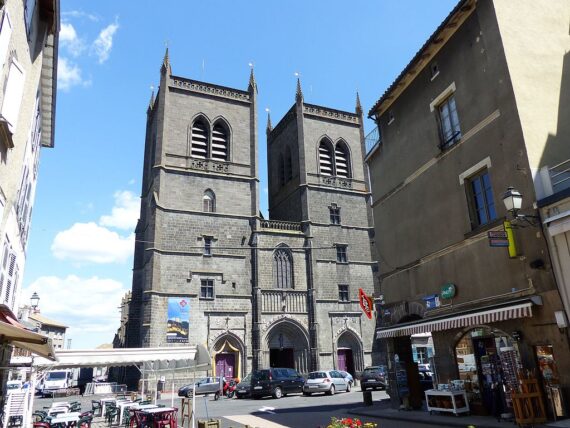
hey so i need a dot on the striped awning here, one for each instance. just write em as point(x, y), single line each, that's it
point(521, 310)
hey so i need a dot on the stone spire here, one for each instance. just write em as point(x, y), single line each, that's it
point(269, 127)
point(166, 63)
point(252, 83)
point(151, 102)
point(299, 93)
point(358, 105)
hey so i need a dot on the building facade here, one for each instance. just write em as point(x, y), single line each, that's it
point(474, 113)
point(28, 76)
point(208, 268)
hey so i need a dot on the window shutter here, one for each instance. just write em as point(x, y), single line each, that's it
point(341, 159)
point(219, 144)
point(325, 159)
point(10, 276)
point(5, 34)
point(13, 94)
point(199, 141)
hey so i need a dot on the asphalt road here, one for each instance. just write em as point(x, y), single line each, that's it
point(294, 411)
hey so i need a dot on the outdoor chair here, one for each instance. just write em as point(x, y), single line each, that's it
point(85, 422)
point(96, 407)
point(111, 415)
point(39, 416)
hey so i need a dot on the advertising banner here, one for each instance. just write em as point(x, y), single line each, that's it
point(178, 320)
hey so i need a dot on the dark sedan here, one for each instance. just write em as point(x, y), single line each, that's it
point(243, 389)
point(373, 377)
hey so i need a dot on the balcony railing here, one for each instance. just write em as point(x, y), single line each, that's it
point(560, 176)
point(281, 225)
point(283, 301)
point(372, 140)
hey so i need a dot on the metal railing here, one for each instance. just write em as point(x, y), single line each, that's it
point(372, 140)
point(560, 176)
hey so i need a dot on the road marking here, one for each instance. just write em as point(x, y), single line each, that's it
point(267, 409)
point(254, 421)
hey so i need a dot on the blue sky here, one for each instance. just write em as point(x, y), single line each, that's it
point(87, 200)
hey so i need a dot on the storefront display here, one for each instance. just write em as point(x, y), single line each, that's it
point(488, 362)
point(447, 400)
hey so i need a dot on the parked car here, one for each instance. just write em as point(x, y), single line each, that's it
point(276, 382)
point(426, 379)
point(327, 381)
point(13, 385)
point(348, 377)
point(243, 389)
point(207, 385)
point(373, 377)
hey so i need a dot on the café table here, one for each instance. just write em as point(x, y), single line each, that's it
point(66, 418)
point(123, 405)
point(159, 413)
point(104, 402)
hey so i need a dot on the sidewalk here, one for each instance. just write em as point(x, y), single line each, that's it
point(382, 410)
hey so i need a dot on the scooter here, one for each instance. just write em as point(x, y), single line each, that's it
point(230, 388)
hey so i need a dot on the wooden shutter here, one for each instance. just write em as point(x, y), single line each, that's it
point(341, 161)
point(13, 94)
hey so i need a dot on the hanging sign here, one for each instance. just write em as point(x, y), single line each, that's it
point(365, 303)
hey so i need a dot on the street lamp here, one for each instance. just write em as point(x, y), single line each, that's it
point(35, 300)
point(513, 203)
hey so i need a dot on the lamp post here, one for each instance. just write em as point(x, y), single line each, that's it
point(35, 300)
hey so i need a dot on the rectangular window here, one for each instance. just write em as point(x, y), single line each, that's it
point(335, 214)
point(207, 246)
point(449, 121)
point(207, 289)
point(341, 254)
point(481, 199)
point(343, 293)
point(29, 7)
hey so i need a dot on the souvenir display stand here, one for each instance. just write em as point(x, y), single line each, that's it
point(452, 401)
point(528, 404)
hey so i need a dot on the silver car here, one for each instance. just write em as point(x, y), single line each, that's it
point(208, 385)
point(327, 381)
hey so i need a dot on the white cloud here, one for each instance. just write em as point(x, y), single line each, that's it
point(88, 242)
point(125, 213)
point(68, 39)
point(104, 42)
point(69, 75)
point(80, 14)
point(89, 306)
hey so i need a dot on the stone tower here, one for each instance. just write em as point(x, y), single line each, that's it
point(199, 198)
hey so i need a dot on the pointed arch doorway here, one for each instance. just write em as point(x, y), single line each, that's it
point(287, 346)
point(227, 358)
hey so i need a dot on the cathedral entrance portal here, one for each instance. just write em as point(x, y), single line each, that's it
point(287, 345)
point(227, 357)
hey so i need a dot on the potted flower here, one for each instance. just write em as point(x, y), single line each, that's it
point(350, 423)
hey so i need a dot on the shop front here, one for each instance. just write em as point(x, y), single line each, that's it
point(488, 361)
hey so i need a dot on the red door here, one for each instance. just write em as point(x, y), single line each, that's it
point(342, 359)
point(225, 365)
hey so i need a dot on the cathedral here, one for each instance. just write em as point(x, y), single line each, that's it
point(210, 269)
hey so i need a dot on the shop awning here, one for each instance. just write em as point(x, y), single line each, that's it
point(120, 357)
point(16, 334)
point(481, 317)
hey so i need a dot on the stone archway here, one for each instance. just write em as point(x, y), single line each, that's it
point(228, 354)
point(349, 353)
point(286, 344)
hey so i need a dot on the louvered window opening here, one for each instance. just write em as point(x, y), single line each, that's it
point(288, 166)
point(325, 160)
point(219, 143)
point(199, 140)
point(341, 159)
point(283, 268)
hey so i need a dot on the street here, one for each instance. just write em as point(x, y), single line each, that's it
point(294, 411)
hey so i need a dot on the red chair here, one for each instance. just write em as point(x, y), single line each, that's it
point(41, 425)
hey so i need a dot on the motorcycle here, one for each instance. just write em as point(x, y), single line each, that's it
point(230, 388)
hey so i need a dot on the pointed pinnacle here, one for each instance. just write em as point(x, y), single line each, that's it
point(358, 105)
point(166, 61)
point(299, 93)
point(252, 79)
point(151, 102)
point(269, 127)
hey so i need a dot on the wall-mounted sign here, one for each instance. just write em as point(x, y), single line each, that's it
point(365, 303)
point(498, 238)
point(432, 301)
point(448, 291)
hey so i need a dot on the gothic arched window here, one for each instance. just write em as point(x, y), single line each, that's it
point(342, 160)
point(325, 158)
point(283, 268)
point(209, 202)
point(220, 142)
point(199, 147)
